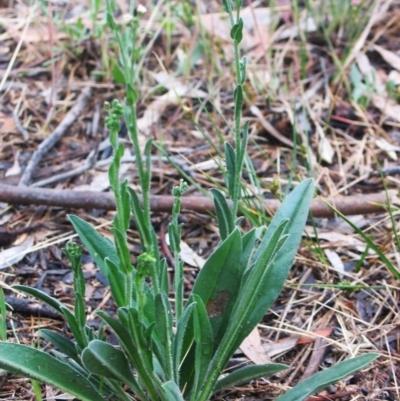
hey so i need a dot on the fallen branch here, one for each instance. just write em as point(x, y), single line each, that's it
point(348, 205)
point(55, 136)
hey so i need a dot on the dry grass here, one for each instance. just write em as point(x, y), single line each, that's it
point(336, 87)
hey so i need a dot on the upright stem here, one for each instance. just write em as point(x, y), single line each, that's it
point(235, 192)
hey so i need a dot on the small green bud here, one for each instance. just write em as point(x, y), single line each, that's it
point(145, 263)
point(179, 190)
point(74, 250)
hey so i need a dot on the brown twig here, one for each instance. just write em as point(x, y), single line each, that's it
point(56, 135)
point(348, 205)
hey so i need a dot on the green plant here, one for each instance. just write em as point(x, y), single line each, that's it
point(363, 88)
point(167, 353)
point(370, 244)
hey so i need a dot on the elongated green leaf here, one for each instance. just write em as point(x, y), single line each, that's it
point(130, 347)
point(249, 242)
point(136, 209)
point(34, 364)
point(122, 250)
point(149, 307)
point(172, 391)
point(204, 343)
point(248, 373)
point(117, 282)
point(77, 331)
point(178, 350)
point(65, 345)
point(263, 282)
point(104, 360)
point(124, 210)
point(329, 376)
point(123, 336)
point(113, 171)
point(141, 337)
point(230, 159)
point(218, 282)
point(237, 31)
point(163, 327)
point(79, 310)
point(238, 94)
point(224, 214)
point(251, 292)
point(146, 175)
point(54, 303)
point(242, 151)
point(295, 208)
point(98, 246)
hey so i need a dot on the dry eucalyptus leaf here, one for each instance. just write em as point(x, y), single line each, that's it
point(335, 261)
point(390, 149)
point(188, 255)
point(387, 106)
point(253, 349)
point(390, 57)
point(15, 254)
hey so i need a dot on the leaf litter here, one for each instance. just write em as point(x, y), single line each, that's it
point(301, 80)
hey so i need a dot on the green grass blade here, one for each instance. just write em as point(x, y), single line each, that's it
point(3, 317)
point(370, 242)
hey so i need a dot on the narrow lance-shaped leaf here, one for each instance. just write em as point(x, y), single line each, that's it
point(131, 318)
point(247, 374)
point(224, 214)
point(65, 345)
point(146, 177)
point(329, 376)
point(34, 364)
point(172, 392)
point(163, 326)
point(238, 95)
point(144, 231)
point(120, 328)
point(264, 281)
point(243, 144)
point(251, 292)
point(204, 343)
point(98, 246)
point(123, 251)
point(76, 329)
point(104, 360)
point(42, 296)
point(117, 283)
point(217, 282)
point(295, 208)
point(178, 350)
point(230, 159)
